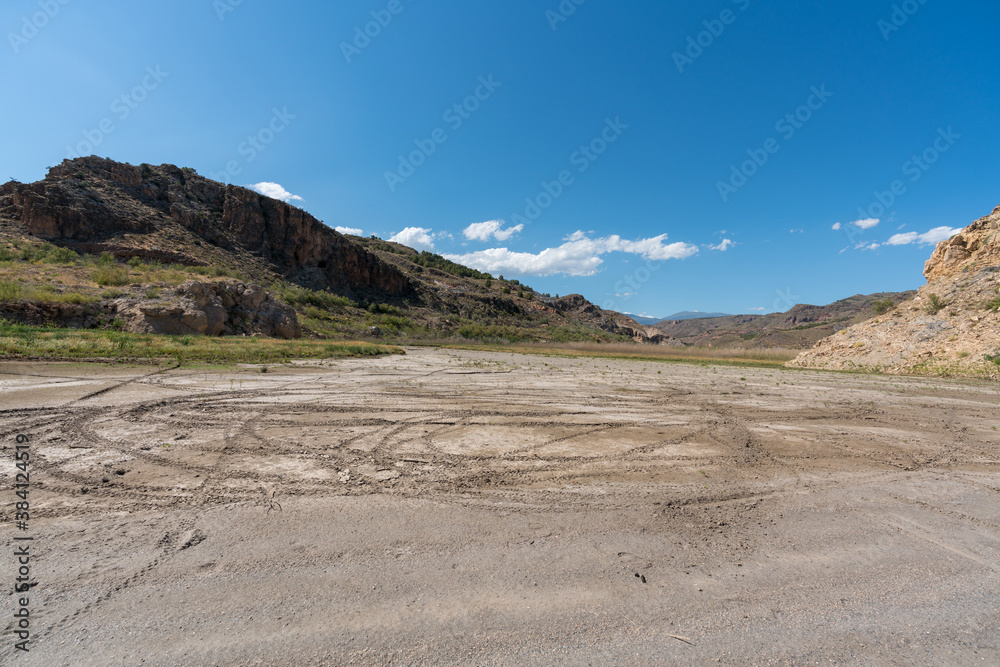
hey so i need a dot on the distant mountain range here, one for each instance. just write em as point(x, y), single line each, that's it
point(676, 317)
point(691, 315)
point(800, 327)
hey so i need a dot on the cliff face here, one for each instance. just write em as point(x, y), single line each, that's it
point(952, 326)
point(166, 213)
point(974, 247)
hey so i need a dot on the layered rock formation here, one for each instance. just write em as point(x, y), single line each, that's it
point(951, 327)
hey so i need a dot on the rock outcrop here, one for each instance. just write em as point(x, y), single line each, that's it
point(97, 205)
point(210, 309)
point(951, 327)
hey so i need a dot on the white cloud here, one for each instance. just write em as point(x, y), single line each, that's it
point(483, 231)
point(722, 247)
point(578, 256)
point(759, 309)
point(796, 231)
point(932, 237)
point(836, 227)
point(902, 239)
point(867, 223)
point(417, 238)
point(275, 191)
point(867, 246)
point(349, 230)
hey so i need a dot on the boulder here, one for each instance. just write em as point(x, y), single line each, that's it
point(212, 309)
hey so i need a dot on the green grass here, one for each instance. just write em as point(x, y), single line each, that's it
point(300, 296)
point(26, 342)
point(13, 291)
point(111, 276)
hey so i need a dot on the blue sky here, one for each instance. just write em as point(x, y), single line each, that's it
point(638, 152)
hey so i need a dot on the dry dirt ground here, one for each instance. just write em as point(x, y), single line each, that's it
point(453, 507)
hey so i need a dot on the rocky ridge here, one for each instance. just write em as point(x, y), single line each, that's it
point(173, 216)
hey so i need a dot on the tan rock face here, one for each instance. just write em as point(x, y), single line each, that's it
point(976, 244)
point(211, 309)
point(951, 327)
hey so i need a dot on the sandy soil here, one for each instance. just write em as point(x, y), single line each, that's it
point(457, 507)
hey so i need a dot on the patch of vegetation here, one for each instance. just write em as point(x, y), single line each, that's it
point(111, 276)
point(433, 261)
point(813, 325)
point(492, 333)
point(49, 254)
point(294, 295)
point(935, 304)
point(750, 335)
point(12, 291)
point(383, 309)
point(21, 341)
point(772, 358)
point(881, 306)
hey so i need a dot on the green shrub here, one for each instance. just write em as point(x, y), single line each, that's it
point(883, 305)
point(394, 322)
point(935, 304)
point(110, 276)
point(438, 262)
point(10, 291)
point(383, 309)
point(49, 254)
point(300, 296)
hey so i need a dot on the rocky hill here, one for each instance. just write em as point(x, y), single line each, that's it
point(800, 327)
point(952, 326)
point(122, 235)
